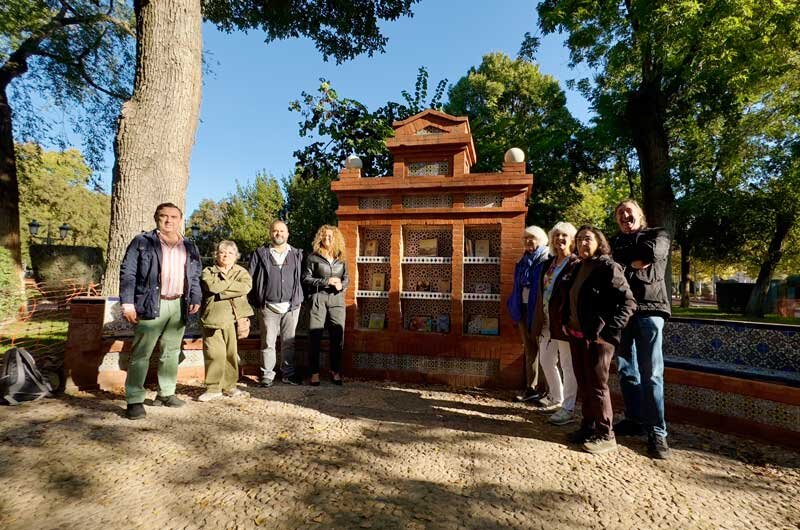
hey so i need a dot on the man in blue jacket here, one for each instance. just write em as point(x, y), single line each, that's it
point(159, 287)
point(277, 294)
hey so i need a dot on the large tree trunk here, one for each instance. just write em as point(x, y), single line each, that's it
point(157, 125)
point(757, 303)
point(686, 266)
point(9, 192)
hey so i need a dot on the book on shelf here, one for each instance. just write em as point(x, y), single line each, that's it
point(482, 248)
point(419, 323)
point(468, 248)
point(371, 247)
point(377, 320)
point(483, 288)
point(377, 281)
point(443, 323)
point(428, 247)
point(474, 324)
point(423, 286)
point(489, 326)
point(440, 286)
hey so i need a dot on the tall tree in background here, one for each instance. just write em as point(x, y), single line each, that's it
point(250, 211)
point(75, 55)
point(209, 217)
point(157, 125)
point(510, 103)
point(661, 62)
point(56, 188)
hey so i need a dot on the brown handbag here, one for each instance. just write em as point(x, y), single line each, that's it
point(242, 324)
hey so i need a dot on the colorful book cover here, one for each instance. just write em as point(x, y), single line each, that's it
point(428, 247)
point(475, 324)
point(443, 323)
point(371, 248)
point(482, 248)
point(419, 323)
point(377, 281)
point(489, 326)
point(483, 288)
point(377, 320)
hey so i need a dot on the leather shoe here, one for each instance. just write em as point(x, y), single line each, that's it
point(135, 411)
point(169, 401)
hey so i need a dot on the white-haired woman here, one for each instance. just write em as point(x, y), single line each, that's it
point(520, 306)
point(547, 326)
point(225, 286)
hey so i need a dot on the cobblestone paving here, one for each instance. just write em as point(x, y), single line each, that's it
point(368, 455)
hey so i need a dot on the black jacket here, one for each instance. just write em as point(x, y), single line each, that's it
point(605, 302)
point(318, 270)
point(140, 276)
point(650, 245)
point(259, 267)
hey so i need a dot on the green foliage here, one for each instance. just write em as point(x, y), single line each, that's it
point(56, 266)
point(310, 204)
point(339, 28)
point(210, 218)
point(77, 56)
point(597, 201)
point(54, 189)
point(250, 211)
point(11, 297)
point(510, 103)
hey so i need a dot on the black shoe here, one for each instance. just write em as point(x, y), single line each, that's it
point(629, 427)
point(337, 382)
point(267, 383)
point(580, 436)
point(292, 380)
point(135, 411)
point(169, 401)
point(657, 446)
point(530, 395)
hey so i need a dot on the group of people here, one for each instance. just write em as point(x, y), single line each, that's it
point(162, 282)
point(580, 300)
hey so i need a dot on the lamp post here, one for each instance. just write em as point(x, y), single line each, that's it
point(195, 231)
point(33, 228)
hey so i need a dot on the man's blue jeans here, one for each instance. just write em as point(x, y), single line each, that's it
point(640, 364)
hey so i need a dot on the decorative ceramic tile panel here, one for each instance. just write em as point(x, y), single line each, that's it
point(422, 169)
point(374, 203)
point(381, 234)
point(430, 129)
point(483, 200)
point(113, 361)
point(427, 201)
point(488, 368)
point(413, 235)
point(732, 405)
point(737, 343)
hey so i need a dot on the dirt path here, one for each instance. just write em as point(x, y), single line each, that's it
point(368, 455)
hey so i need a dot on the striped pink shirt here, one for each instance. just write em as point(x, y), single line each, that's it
point(173, 271)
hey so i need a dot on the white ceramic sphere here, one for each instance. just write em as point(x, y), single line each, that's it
point(353, 162)
point(514, 155)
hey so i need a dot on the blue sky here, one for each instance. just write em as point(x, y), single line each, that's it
point(245, 122)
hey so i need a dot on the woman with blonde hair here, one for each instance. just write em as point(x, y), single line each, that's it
point(547, 325)
point(325, 279)
point(225, 286)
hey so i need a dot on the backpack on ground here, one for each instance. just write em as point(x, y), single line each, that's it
point(20, 380)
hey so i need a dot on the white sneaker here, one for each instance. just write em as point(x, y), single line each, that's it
point(209, 396)
point(562, 417)
point(236, 392)
point(545, 405)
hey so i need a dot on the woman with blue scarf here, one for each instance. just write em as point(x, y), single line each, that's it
point(521, 306)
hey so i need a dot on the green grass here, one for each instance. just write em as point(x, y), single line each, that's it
point(714, 313)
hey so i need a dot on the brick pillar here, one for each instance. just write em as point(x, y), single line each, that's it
point(84, 343)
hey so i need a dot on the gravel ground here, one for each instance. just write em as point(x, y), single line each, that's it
point(368, 455)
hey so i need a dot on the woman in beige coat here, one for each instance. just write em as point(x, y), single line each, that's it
point(225, 286)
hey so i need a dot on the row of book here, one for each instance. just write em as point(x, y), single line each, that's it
point(430, 248)
point(377, 282)
point(477, 324)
